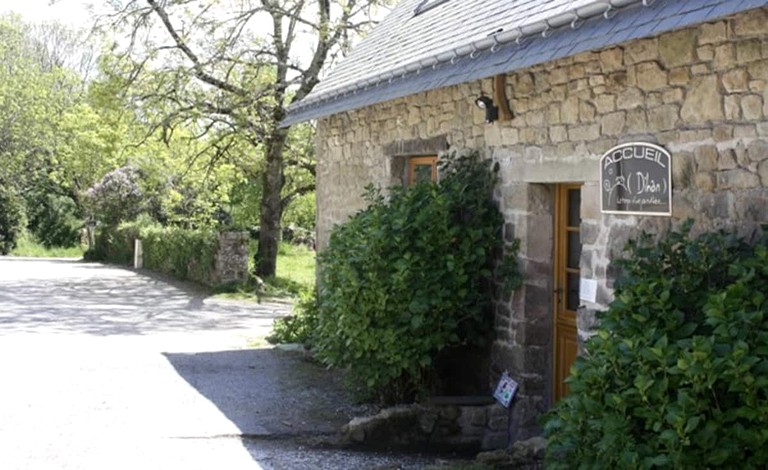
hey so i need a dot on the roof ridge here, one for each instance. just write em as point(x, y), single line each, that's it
point(573, 17)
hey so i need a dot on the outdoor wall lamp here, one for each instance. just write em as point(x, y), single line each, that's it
point(491, 110)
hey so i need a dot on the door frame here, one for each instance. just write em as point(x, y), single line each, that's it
point(561, 322)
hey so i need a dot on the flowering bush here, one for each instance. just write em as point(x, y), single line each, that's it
point(117, 197)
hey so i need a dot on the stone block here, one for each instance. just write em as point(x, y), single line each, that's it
point(737, 179)
point(637, 121)
point(553, 114)
point(757, 150)
point(679, 76)
point(758, 70)
point(613, 123)
point(703, 102)
point(524, 84)
point(727, 160)
point(705, 53)
point(664, 117)
point(706, 157)
point(590, 201)
point(743, 131)
point(641, 50)
point(630, 98)
point(704, 181)
point(750, 24)
point(558, 134)
point(677, 48)
point(650, 76)
point(762, 172)
point(762, 127)
point(749, 51)
point(757, 86)
point(584, 133)
point(612, 59)
point(674, 95)
point(558, 76)
point(682, 170)
point(700, 69)
point(725, 57)
point(736, 81)
point(732, 107)
point(569, 111)
point(605, 103)
point(712, 33)
point(752, 107)
point(586, 112)
point(722, 133)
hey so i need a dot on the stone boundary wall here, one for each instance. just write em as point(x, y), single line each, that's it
point(231, 261)
point(700, 92)
point(431, 428)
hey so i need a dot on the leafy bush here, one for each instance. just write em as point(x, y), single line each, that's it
point(117, 197)
point(408, 277)
point(12, 218)
point(677, 375)
point(54, 221)
point(183, 254)
point(300, 326)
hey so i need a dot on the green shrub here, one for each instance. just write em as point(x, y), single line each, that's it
point(181, 253)
point(677, 375)
point(408, 277)
point(12, 218)
point(300, 326)
point(54, 221)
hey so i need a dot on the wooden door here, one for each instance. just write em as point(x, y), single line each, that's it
point(567, 275)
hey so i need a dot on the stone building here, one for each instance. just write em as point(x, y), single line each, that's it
point(684, 79)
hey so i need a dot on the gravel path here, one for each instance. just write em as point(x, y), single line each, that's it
point(103, 367)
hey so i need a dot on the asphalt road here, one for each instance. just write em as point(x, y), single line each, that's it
point(107, 368)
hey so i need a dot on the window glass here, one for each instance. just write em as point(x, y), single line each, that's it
point(422, 169)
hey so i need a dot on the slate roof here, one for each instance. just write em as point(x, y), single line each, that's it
point(462, 40)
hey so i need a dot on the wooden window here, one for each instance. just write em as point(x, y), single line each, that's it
point(422, 169)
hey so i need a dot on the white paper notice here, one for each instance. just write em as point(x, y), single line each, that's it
point(588, 290)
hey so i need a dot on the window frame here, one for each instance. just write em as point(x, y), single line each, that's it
point(423, 160)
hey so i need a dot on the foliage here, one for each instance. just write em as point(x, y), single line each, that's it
point(117, 197)
point(181, 253)
point(12, 218)
point(28, 246)
point(227, 74)
point(184, 254)
point(677, 375)
point(300, 326)
point(408, 277)
point(54, 221)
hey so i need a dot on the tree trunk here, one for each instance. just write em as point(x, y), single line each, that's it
point(271, 205)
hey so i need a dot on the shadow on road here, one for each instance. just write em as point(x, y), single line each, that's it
point(267, 392)
point(67, 296)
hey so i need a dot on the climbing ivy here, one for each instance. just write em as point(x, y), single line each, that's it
point(410, 276)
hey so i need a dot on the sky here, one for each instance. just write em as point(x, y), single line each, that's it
point(72, 12)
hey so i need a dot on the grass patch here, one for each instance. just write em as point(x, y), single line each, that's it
point(295, 273)
point(296, 264)
point(27, 246)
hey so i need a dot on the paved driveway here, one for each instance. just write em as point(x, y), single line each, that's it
point(106, 368)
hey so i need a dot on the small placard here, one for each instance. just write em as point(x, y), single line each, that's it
point(505, 390)
point(588, 290)
point(636, 178)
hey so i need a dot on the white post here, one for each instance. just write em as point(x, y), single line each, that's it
point(138, 255)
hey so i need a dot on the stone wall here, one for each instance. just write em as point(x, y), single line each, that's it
point(700, 92)
point(231, 263)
